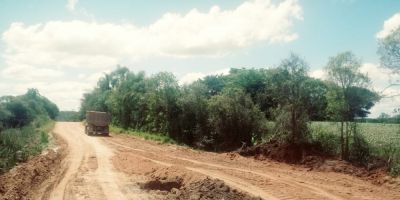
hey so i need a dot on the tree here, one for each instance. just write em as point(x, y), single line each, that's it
point(234, 119)
point(195, 128)
point(383, 117)
point(348, 97)
point(162, 93)
point(316, 101)
point(19, 111)
point(291, 94)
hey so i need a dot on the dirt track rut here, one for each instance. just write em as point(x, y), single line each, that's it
point(89, 173)
point(107, 168)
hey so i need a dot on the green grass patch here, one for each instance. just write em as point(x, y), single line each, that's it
point(17, 145)
point(145, 135)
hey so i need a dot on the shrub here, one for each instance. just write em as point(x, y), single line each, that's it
point(235, 120)
point(395, 169)
point(359, 150)
point(327, 143)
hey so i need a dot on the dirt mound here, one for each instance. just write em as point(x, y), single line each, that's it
point(162, 185)
point(289, 153)
point(208, 189)
point(180, 183)
point(21, 181)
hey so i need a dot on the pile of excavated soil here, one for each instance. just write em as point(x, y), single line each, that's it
point(179, 183)
point(20, 182)
point(25, 180)
point(273, 150)
point(208, 189)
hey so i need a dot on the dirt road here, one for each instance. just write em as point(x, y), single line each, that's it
point(89, 171)
point(115, 168)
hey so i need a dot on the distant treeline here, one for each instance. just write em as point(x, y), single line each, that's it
point(389, 120)
point(19, 111)
point(68, 116)
point(224, 112)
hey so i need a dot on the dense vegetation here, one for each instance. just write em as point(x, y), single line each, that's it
point(225, 112)
point(24, 123)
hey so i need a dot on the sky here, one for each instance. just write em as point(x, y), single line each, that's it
point(62, 47)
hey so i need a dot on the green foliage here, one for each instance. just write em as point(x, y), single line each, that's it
point(218, 112)
point(21, 110)
point(395, 169)
point(293, 97)
point(348, 97)
point(195, 128)
point(145, 135)
point(17, 144)
point(326, 141)
point(234, 119)
point(359, 150)
point(380, 140)
point(24, 123)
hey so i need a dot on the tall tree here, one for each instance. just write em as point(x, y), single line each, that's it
point(290, 90)
point(349, 96)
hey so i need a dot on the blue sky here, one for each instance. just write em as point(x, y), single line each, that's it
point(314, 29)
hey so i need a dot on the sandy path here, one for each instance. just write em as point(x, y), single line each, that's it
point(89, 173)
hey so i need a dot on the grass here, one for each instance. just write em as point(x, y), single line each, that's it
point(145, 135)
point(17, 145)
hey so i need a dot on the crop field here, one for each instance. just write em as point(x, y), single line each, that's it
point(377, 134)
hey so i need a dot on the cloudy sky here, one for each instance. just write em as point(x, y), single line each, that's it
point(62, 47)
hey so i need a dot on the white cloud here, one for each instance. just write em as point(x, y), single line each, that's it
point(194, 76)
point(57, 55)
point(29, 73)
point(71, 4)
point(213, 33)
point(389, 26)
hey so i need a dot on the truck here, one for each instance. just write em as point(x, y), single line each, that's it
point(97, 123)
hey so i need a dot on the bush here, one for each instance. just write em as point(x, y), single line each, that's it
point(395, 169)
point(235, 120)
point(288, 132)
point(328, 143)
point(16, 145)
point(359, 150)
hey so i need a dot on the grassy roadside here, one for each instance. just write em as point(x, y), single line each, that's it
point(17, 145)
point(145, 135)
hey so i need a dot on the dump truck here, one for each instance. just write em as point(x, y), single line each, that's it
point(97, 123)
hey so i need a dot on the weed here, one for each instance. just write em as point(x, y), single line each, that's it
point(145, 135)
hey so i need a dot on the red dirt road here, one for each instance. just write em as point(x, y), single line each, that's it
point(115, 168)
